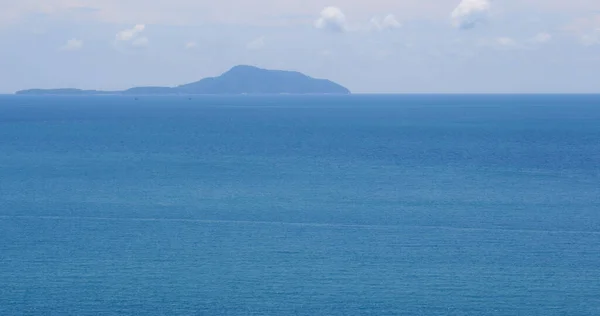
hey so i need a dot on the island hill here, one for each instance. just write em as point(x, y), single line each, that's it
point(238, 80)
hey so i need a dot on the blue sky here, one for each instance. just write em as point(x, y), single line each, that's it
point(409, 46)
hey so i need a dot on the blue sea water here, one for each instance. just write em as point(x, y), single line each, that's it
point(300, 205)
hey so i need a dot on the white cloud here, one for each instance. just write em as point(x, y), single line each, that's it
point(469, 13)
point(129, 34)
point(506, 42)
point(326, 53)
point(587, 30)
point(191, 44)
point(500, 43)
point(590, 39)
point(256, 44)
point(140, 42)
point(132, 38)
point(387, 23)
point(541, 38)
point(333, 19)
point(72, 44)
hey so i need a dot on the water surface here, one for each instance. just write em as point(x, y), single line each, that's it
point(287, 205)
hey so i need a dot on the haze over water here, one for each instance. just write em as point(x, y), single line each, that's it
point(300, 205)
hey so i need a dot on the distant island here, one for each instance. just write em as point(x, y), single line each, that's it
point(238, 80)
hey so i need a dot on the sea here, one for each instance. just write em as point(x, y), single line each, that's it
point(300, 205)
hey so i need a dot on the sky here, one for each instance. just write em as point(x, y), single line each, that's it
point(375, 46)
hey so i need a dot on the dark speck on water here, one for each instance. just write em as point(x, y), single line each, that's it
point(300, 205)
